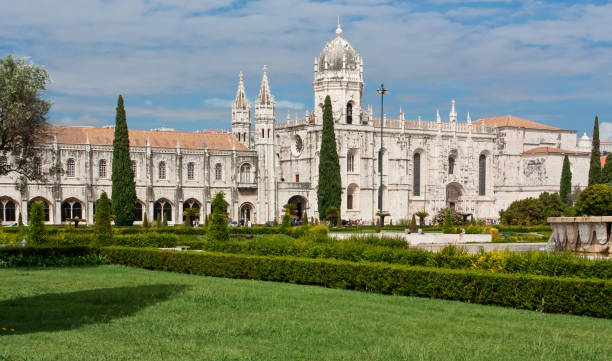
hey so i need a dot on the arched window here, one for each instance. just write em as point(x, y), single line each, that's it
point(482, 175)
point(349, 113)
point(268, 133)
point(70, 168)
point(3, 166)
point(451, 165)
point(138, 211)
point(102, 168)
point(162, 208)
point(245, 173)
point(7, 211)
point(162, 170)
point(263, 134)
point(71, 208)
point(134, 168)
point(190, 170)
point(218, 171)
point(350, 162)
point(416, 175)
point(244, 137)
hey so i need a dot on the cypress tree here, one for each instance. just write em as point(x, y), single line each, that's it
point(595, 168)
point(606, 173)
point(145, 221)
point(329, 193)
point(566, 181)
point(124, 188)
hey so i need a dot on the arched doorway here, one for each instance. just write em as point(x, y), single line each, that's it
point(246, 213)
point(453, 196)
point(300, 203)
point(190, 203)
point(8, 210)
point(71, 208)
point(162, 207)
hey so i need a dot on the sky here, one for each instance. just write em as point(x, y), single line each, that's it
point(177, 62)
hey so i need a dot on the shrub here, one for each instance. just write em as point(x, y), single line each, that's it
point(36, 230)
point(595, 200)
point(217, 231)
point(145, 221)
point(448, 223)
point(494, 232)
point(102, 227)
point(530, 211)
point(50, 257)
point(319, 230)
point(545, 294)
point(395, 250)
point(413, 225)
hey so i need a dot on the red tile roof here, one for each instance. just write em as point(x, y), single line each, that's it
point(138, 138)
point(513, 122)
point(548, 150)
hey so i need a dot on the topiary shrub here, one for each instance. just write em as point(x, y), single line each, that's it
point(448, 226)
point(102, 226)
point(217, 231)
point(318, 230)
point(36, 230)
point(595, 200)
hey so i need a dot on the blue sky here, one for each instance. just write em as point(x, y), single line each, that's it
point(177, 62)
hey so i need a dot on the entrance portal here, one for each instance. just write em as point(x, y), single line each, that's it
point(300, 203)
point(453, 196)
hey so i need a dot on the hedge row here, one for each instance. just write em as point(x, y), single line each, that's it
point(357, 249)
point(546, 294)
point(129, 240)
point(50, 257)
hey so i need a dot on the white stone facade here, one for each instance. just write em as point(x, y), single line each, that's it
point(476, 167)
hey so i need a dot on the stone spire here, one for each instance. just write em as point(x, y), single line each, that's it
point(265, 96)
point(241, 101)
point(452, 116)
point(438, 119)
point(469, 120)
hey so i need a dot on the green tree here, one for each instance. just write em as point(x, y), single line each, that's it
point(23, 117)
point(595, 200)
point(20, 220)
point(606, 172)
point(566, 181)
point(36, 230)
point(595, 167)
point(305, 218)
point(217, 230)
point(124, 188)
point(333, 216)
point(530, 211)
point(145, 221)
point(102, 227)
point(329, 193)
point(422, 215)
point(164, 220)
point(158, 222)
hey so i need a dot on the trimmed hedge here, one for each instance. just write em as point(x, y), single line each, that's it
point(50, 257)
point(357, 249)
point(546, 294)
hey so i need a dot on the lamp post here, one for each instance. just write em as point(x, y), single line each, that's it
point(382, 91)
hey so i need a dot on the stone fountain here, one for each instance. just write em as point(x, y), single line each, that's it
point(581, 234)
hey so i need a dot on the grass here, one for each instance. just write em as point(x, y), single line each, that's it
point(114, 312)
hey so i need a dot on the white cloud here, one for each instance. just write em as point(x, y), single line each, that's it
point(605, 131)
point(218, 103)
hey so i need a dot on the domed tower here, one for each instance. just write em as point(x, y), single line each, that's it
point(338, 72)
point(241, 115)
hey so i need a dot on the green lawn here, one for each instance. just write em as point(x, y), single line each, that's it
point(119, 313)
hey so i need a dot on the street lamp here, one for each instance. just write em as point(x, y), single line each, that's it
point(382, 91)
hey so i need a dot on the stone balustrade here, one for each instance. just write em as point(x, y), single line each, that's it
point(581, 234)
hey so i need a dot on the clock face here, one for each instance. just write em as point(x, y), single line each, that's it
point(297, 146)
